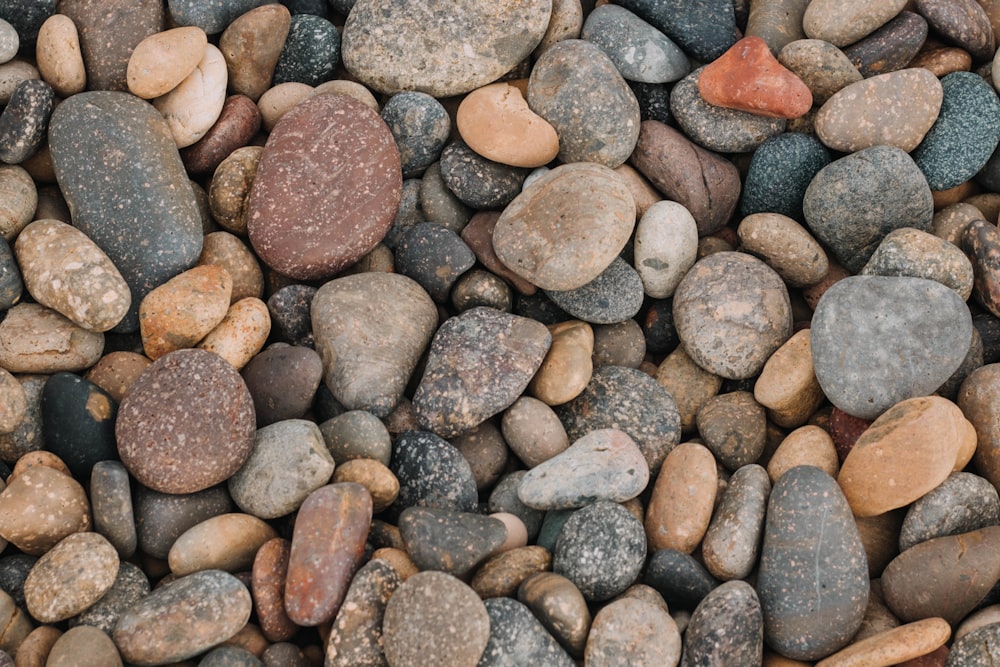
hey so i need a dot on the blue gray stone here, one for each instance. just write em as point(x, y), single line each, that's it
point(614, 296)
point(679, 577)
point(434, 256)
point(25, 121)
point(705, 29)
point(477, 181)
point(638, 50)
point(517, 638)
point(779, 173)
point(420, 125)
point(311, 51)
point(961, 504)
point(212, 16)
point(504, 498)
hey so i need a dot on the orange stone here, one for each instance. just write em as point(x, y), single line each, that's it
point(749, 78)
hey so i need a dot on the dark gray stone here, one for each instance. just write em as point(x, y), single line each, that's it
point(27, 16)
point(111, 506)
point(638, 50)
point(878, 340)
point(889, 48)
point(160, 518)
point(311, 51)
point(504, 498)
point(613, 296)
point(78, 422)
point(439, 204)
point(25, 121)
point(780, 171)
point(420, 125)
point(654, 101)
point(961, 504)
point(727, 628)
point(979, 648)
point(289, 308)
point(434, 256)
point(432, 473)
point(517, 638)
point(449, 541)
point(11, 284)
point(551, 526)
point(282, 382)
point(681, 580)
point(13, 571)
point(212, 16)
point(705, 29)
point(130, 586)
point(478, 182)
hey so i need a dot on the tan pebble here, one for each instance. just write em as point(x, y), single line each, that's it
point(15, 624)
point(517, 532)
point(228, 251)
point(161, 61)
point(950, 222)
point(241, 334)
point(496, 122)
point(249, 638)
point(568, 365)
point(281, 99)
point(252, 45)
point(940, 59)
point(59, 57)
point(116, 371)
point(561, 608)
point(643, 192)
point(12, 75)
point(565, 22)
point(349, 88)
point(34, 650)
point(374, 476)
point(959, 193)
point(13, 402)
point(977, 619)
point(192, 108)
point(230, 187)
point(988, 204)
point(690, 385)
point(892, 646)
point(806, 445)
point(501, 574)
point(183, 310)
point(533, 431)
point(787, 385)
point(38, 459)
point(399, 560)
point(683, 498)
point(225, 542)
point(880, 538)
point(70, 577)
point(40, 507)
point(843, 22)
point(36, 339)
point(18, 200)
point(785, 246)
point(84, 646)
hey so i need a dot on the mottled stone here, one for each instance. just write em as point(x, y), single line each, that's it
point(252, 44)
point(964, 22)
point(638, 50)
point(434, 256)
point(116, 371)
point(230, 656)
point(449, 541)
point(225, 542)
point(36, 339)
point(891, 47)
point(11, 283)
point(855, 355)
point(13, 402)
point(785, 246)
point(130, 586)
point(282, 382)
point(688, 383)
point(733, 428)
point(634, 631)
point(911, 252)
point(560, 607)
point(343, 222)
point(666, 246)
point(704, 29)
point(731, 544)
point(980, 243)
point(290, 308)
point(267, 585)
point(477, 181)
point(979, 648)
point(809, 520)
point(504, 498)
point(70, 577)
point(420, 125)
point(964, 502)
point(727, 625)
point(822, 67)
point(518, 638)
point(432, 473)
point(26, 435)
point(376, 477)
point(356, 634)
point(25, 120)
point(311, 51)
point(842, 23)
point(440, 205)
point(613, 296)
point(41, 506)
point(78, 419)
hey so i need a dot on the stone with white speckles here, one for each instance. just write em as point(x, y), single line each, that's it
point(356, 634)
point(638, 50)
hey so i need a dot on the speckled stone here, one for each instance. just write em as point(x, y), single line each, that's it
point(476, 181)
point(41, 506)
point(183, 310)
point(979, 648)
point(980, 242)
point(449, 541)
point(733, 427)
point(705, 183)
point(230, 656)
point(251, 45)
point(613, 296)
point(853, 202)
point(964, 502)
point(26, 16)
point(311, 51)
point(485, 449)
point(731, 544)
point(398, 318)
point(809, 520)
point(129, 587)
point(420, 125)
point(237, 123)
point(704, 29)
point(14, 569)
point(212, 16)
point(785, 246)
point(638, 50)
point(440, 205)
point(25, 120)
point(518, 638)
point(432, 473)
point(601, 549)
point(891, 47)
point(26, 435)
point(70, 577)
point(435, 618)
point(576, 87)
point(718, 128)
point(13, 402)
point(842, 23)
point(654, 101)
point(680, 505)
point(356, 634)
point(434, 256)
point(230, 186)
point(357, 434)
point(78, 422)
point(343, 222)
point(726, 626)
point(965, 23)
point(218, 428)
point(161, 518)
point(390, 48)
point(911, 252)
point(290, 308)
point(11, 283)
point(234, 255)
point(83, 647)
point(965, 134)
point(116, 201)
point(628, 400)
point(479, 363)
point(634, 631)
point(267, 585)
point(822, 67)
point(855, 354)
point(183, 618)
point(779, 173)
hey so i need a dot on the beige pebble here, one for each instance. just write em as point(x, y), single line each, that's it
point(161, 61)
point(252, 45)
point(517, 532)
point(12, 75)
point(40, 507)
point(501, 574)
point(349, 88)
point(73, 575)
point(250, 638)
point(13, 402)
point(228, 251)
point(892, 646)
point(225, 542)
point(565, 22)
point(805, 446)
point(398, 559)
point(643, 192)
point(374, 476)
point(533, 431)
point(279, 100)
point(36, 339)
point(59, 57)
point(241, 334)
point(496, 122)
point(690, 385)
point(38, 459)
point(666, 245)
point(787, 385)
point(84, 646)
point(116, 371)
point(981, 617)
point(18, 200)
point(15, 624)
point(183, 310)
point(34, 650)
point(568, 365)
point(192, 108)
point(785, 246)
point(683, 498)
point(230, 187)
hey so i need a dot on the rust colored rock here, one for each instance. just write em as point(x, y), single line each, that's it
point(327, 189)
point(328, 545)
point(749, 78)
point(680, 507)
point(267, 584)
point(236, 126)
point(845, 431)
point(182, 311)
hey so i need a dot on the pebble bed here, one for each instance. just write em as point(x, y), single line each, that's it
point(526, 332)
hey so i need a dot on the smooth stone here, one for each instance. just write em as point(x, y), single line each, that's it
point(892, 47)
point(486, 451)
point(616, 295)
point(979, 241)
point(854, 202)
point(785, 246)
point(111, 505)
point(481, 288)
point(977, 399)
point(282, 382)
point(218, 429)
point(114, 203)
point(946, 576)
point(130, 586)
point(9, 42)
point(357, 434)
point(290, 308)
point(822, 67)
point(195, 104)
point(241, 334)
point(236, 125)
point(547, 234)
point(777, 23)
point(24, 122)
point(501, 574)
point(163, 60)
point(503, 498)
point(731, 545)
point(518, 638)
point(704, 30)
point(311, 51)
point(853, 353)
point(109, 32)
point(251, 45)
point(212, 16)
point(328, 545)
point(666, 246)
point(477, 181)
point(843, 23)
point(964, 502)
point(911, 252)
point(278, 100)
point(78, 422)
point(116, 371)
point(59, 56)
point(11, 283)
point(688, 383)
point(376, 477)
point(66, 271)
point(26, 435)
point(496, 122)
point(356, 632)
point(267, 584)
point(577, 89)
point(963, 23)
point(561, 608)
point(161, 518)
point(942, 59)
point(634, 631)
point(306, 226)
point(976, 649)
point(894, 646)
point(533, 431)
point(567, 367)
point(13, 402)
point(25, 16)
point(603, 465)
point(718, 128)
point(478, 363)
point(432, 473)
point(705, 183)
point(230, 656)
point(628, 400)
point(398, 318)
point(680, 506)
point(449, 541)
point(234, 255)
point(434, 256)
point(440, 205)
point(733, 427)
point(230, 186)
point(21, 200)
point(806, 445)
point(619, 344)
point(12, 74)
point(733, 341)
point(965, 134)
point(421, 126)
point(36, 339)
point(70, 577)
point(182, 311)
point(809, 520)
point(183, 618)
point(727, 625)
point(601, 549)
point(638, 50)
point(225, 542)
point(84, 646)
point(443, 55)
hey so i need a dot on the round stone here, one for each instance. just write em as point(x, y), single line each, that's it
point(420, 125)
point(727, 625)
point(311, 51)
point(962, 503)
point(78, 422)
point(72, 576)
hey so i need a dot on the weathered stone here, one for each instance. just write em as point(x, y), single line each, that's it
point(225, 542)
point(356, 634)
point(634, 631)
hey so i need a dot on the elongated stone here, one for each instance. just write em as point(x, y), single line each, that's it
point(356, 635)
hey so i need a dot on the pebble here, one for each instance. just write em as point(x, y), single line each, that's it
point(823, 67)
point(616, 295)
point(224, 542)
point(727, 625)
point(806, 445)
point(230, 186)
point(376, 477)
point(891, 47)
point(291, 309)
point(130, 586)
point(311, 51)
point(969, 650)
point(241, 334)
point(182, 311)
point(533, 431)
point(852, 352)
point(84, 646)
point(160, 518)
point(979, 242)
point(619, 344)
point(11, 283)
point(183, 618)
point(26, 436)
point(496, 122)
point(477, 181)
point(809, 521)
point(440, 205)
point(36, 339)
point(449, 541)
point(567, 367)
point(228, 251)
point(9, 42)
point(561, 608)
point(733, 427)
point(236, 125)
point(212, 16)
point(911, 252)
point(434, 256)
point(964, 502)
point(421, 126)
point(432, 473)
point(777, 23)
point(267, 586)
point(195, 104)
point(633, 631)
point(13, 402)
point(24, 122)
point(78, 422)
point(116, 371)
point(357, 434)
point(230, 656)
point(21, 200)
point(517, 637)
point(704, 30)
point(59, 56)
point(666, 246)
point(843, 23)
point(251, 45)
point(501, 574)
point(163, 60)
point(71, 576)
point(893, 646)
point(14, 570)
point(963, 23)
point(638, 50)
point(798, 258)
point(356, 636)
point(680, 506)
point(731, 545)
point(481, 288)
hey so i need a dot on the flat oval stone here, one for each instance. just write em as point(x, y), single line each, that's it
point(785, 246)
point(449, 541)
point(24, 121)
point(560, 607)
point(962, 503)
point(891, 47)
point(731, 544)
point(36, 339)
point(518, 638)
point(853, 353)
point(502, 573)
point(193, 106)
point(638, 50)
point(111, 504)
point(311, 51)
point(78, 422)
point(421, 126)
point(842, 23)
point(161, 518)
point(311, 218)
point(577, 89)
point(131, 585)
point(964, 23)
point(479, 363)
point(267, 584)
point(356, 633)
point(161, 61)
point(73, 575)
point(116, 201)
point(853, 202)
point(21, 200)
point(806, 445)
point(230, 186)
point(184, 309)
point(225, 542)
point(666, 246)
point(398, 318)
point(965, 134)
point(432, 473)
point(680, 505)
point(787, 384)
point(822, 67)
point(727, 625)
point(234, 255)
point(496, 122)
point(218, 429)
point(241, 334)
point(899, 645)
point(911, 252)
point(809, 520)
point(59, 56)
point(634, 631)
point(183, 618)
point(389, 49)
point(704, 30)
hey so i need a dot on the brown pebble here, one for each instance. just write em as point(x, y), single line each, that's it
point(270, 568)
point(251, 45)
point(374, 476)
point(680, 508)
point(501, 575)
point(226, 542)
point(568, 365)
point(561, 608)
point(228, 251)
point(40, 507)
point(182, 311)
point(83, 646)
point(116, 371)
point(34, 650)
point(236, 126)
point(70, 577)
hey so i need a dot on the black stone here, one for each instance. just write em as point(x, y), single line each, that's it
point(518, 638)
point(890, 47)
point(613, 296)
point(78, 423)
point(658, 327)
point(131, 585)
point(727, 628)
point(654, 101)
point(13, 571)
point(212, 16)
point(705, 29)
point(432, 473)
point(282, 382)
point(478, 182)
point(449, 541)
point(25, 121)
point(539, 307)
point(27, 16)
point(434, 256)
point(988, 326)
point(681, 580)
point(311, 51)
point(291, 314)
point(160, 518)
point(420, 125)
point(11, 285)
point(779, 173)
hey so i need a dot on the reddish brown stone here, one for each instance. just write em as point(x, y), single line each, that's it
point(749, 78)
point(981, 243)
point(270, 567)
point(328, 545)
point(478, 235)
point(236, 126)
point(845, 431)
point(327, 188)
